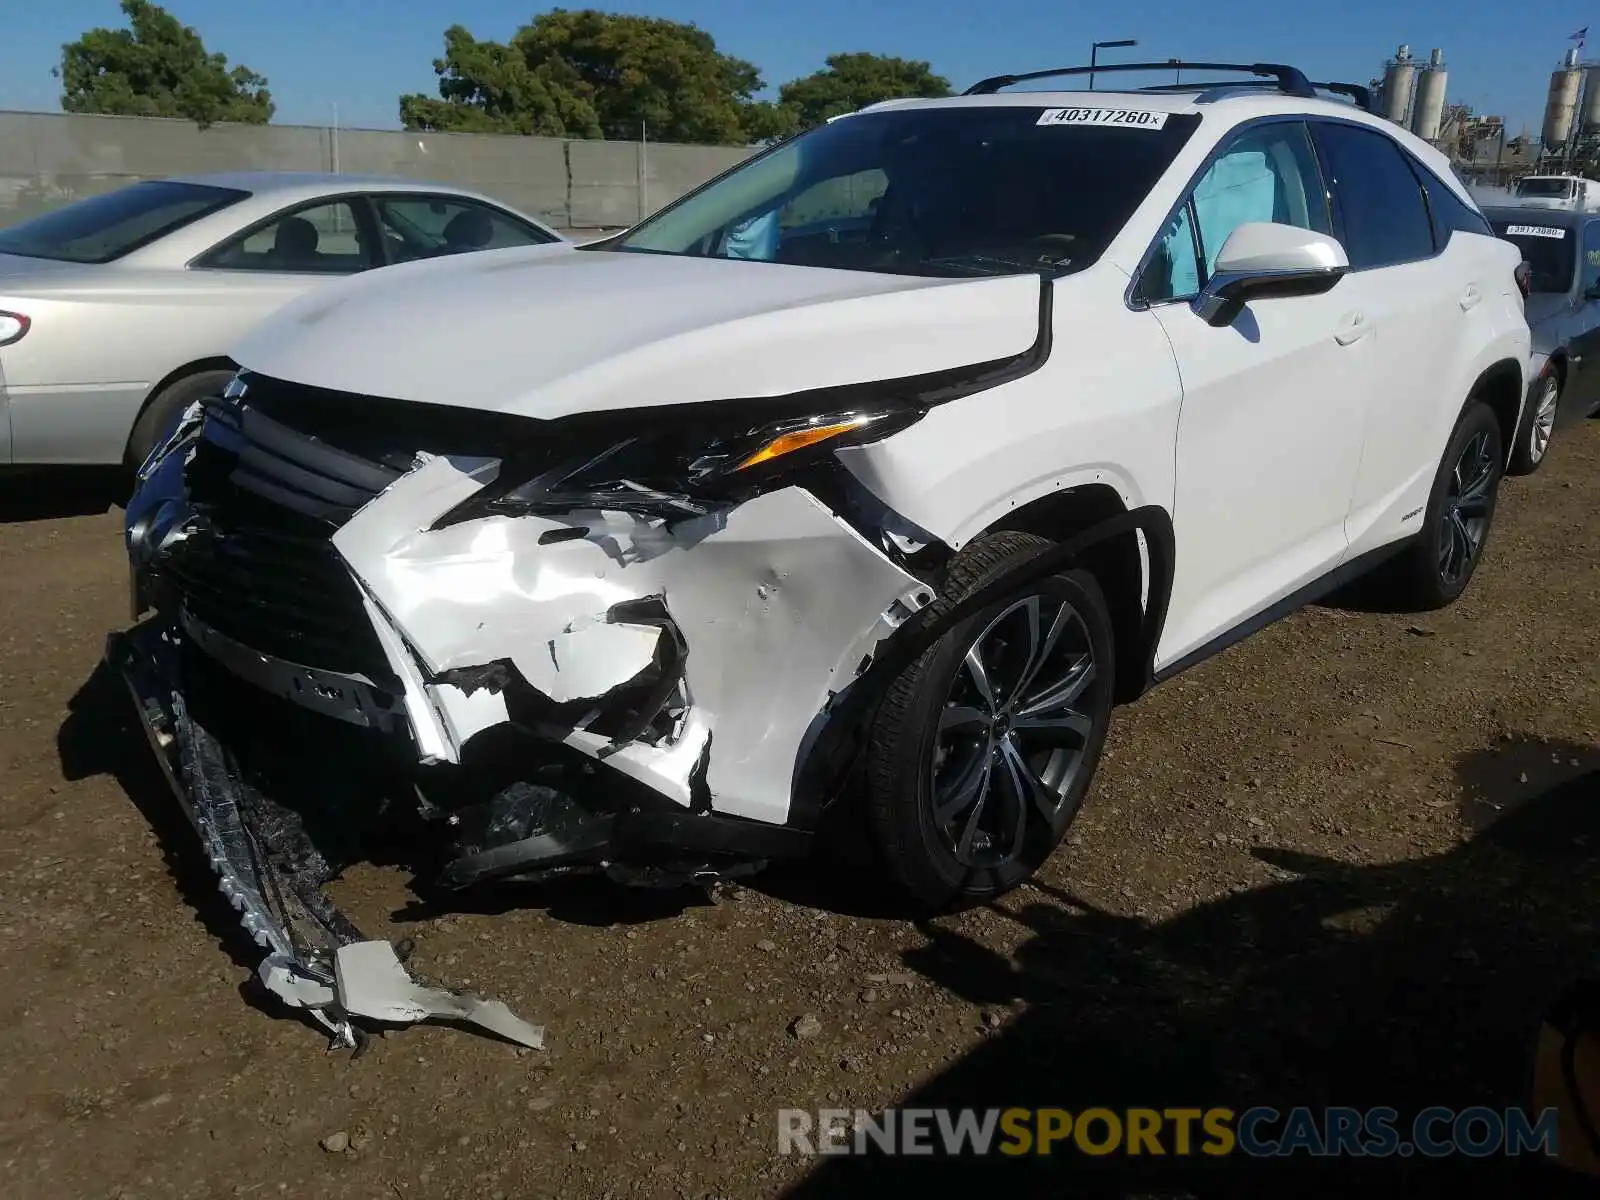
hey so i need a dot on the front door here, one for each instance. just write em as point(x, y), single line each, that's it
point(1269, 438)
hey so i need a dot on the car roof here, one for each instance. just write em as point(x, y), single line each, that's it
point(283, 183)
point(1556, 218)
point(1231, 102)
point(1242, 99)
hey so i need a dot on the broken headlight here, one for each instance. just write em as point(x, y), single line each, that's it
point(684, 472)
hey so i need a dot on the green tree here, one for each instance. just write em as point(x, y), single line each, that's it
point(586, 73)
point(489, 87)
point(158, 67)
point(853, 81)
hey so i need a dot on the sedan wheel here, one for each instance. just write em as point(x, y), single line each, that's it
point(1534, 442)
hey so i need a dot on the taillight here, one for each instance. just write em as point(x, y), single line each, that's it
point(12, 326)
point(1524, 277)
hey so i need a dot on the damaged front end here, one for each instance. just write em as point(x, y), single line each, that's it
point(490, 648)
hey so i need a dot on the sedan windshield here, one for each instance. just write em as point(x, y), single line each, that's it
point(943, 191)
point(1549, 251)
point(103, 228)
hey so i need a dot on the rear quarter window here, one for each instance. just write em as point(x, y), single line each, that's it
point(1449, 213)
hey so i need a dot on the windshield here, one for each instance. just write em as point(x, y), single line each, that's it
point(1547, 249)
point(972, 190)
point(103, 228)
point(1554, 189)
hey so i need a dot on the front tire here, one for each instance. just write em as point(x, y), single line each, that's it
point(1436, 568)
point(1533, 441)
point(983, 749)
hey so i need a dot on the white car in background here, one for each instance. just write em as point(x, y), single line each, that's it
point(641, 558)
point(118, 311)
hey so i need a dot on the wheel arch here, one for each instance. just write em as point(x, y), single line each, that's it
point(1109, 542)
point(1122, 564)
point(1556, 362)
point(195, 367)
point(1500, 385)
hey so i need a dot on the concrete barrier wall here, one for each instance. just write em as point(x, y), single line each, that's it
point(51, 159)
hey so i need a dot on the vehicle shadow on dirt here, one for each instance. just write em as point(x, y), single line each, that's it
point(1405, 985)
point(48, 494)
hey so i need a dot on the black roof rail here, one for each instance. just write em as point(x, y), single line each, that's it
point(1361, 95)
point(1290, 79)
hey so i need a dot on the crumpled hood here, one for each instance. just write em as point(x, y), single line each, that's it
point(549, 331)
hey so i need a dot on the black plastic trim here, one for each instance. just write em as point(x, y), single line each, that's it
point(1290, 80)
point(630, 837)
point(821, 772)
point(1341, 575)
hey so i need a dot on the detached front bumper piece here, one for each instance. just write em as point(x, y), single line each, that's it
point(273, 874)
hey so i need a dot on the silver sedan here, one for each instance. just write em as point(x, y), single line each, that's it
point(118, 311)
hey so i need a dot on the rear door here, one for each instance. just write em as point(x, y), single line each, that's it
point(1416, 300)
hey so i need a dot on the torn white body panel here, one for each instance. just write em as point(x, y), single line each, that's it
point(371, 982)
point(777, 602)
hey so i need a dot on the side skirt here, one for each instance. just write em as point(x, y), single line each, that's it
point(1340, 576)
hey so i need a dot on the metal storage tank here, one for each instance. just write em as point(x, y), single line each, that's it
point(1591, 100)
point(1563, 103)
point(1399, 74)
point(1428, 111)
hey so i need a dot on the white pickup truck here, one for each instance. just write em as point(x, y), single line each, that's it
point(1559, 191)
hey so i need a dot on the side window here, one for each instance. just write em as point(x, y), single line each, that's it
point(1449, 214)
point(1385, 217)
point(319, 238)
point(428, 226)
point(1591, 257)
point(1265, 174)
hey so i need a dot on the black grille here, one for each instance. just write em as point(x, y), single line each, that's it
point(287, 596)
point(255, 562)
point(274, 475)
point(244, 450)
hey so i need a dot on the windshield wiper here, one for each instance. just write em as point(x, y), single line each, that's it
point(986, 264)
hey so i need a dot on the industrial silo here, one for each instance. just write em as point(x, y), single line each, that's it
point(1563, 103)
point(1428, 111)
point(1399, 73)
point(1591, 101)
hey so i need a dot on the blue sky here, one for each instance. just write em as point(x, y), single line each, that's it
point(360, 55)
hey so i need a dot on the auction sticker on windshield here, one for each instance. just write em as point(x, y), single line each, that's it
point(1127, 118)
point(1545, 231)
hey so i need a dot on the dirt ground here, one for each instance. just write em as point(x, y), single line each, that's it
point(1344, 863)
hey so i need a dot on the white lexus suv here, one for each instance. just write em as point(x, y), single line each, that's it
point(873, 473)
